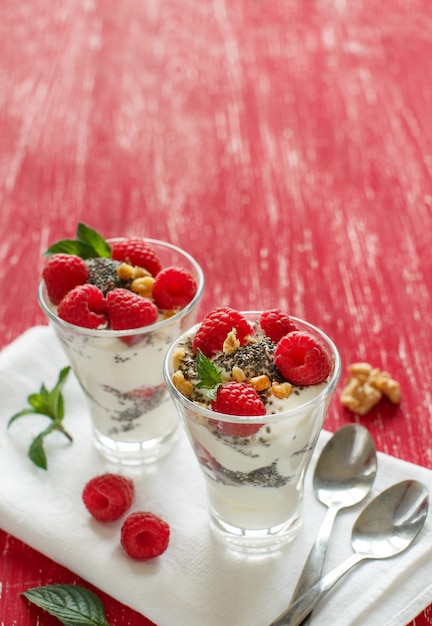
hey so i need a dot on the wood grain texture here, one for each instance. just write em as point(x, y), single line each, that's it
point(286, 145)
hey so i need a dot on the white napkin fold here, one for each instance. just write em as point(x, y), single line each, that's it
point(197, 581)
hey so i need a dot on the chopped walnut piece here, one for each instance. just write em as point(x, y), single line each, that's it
point(129, 272)
point(360, 397)
point(231, 343)
point(125, 271)
point(360, 370)
point(281, 390)
point(143, 286)
point(184, 386)
point(260, 383)
point(388, 386)
point(238, 374)
point(365, 387)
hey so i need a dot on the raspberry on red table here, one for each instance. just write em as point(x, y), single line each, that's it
point(62, 273)
point(276, 324)
point(84, 306)
point(174, 288)
point(215, 327)
point(137, 252)
point(241, 399)
point(108, 497)
point(128, 310)
point(302, 359)
point(144, 535)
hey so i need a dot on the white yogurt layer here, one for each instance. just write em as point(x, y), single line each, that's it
point(254, 482)
point(123, 383)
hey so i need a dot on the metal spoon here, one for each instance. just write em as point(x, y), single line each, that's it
point(343, 477)
point(386, 527)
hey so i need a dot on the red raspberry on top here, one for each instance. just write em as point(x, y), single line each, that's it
point(174, 288)
point(276, 324)
point(108, 497)
point(84, 306)
point(237, 398)
point(302, 359)
point(128, 310)
point(137, 252)
point(215, 327)
point(62, 273)
point(144, 535)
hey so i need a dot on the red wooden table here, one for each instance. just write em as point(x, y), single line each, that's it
point(286, 144)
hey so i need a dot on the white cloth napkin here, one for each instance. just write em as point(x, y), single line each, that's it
point(197, 581)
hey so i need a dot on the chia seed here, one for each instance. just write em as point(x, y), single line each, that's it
point(255, 359)
point(103, 274)
point(267, 476)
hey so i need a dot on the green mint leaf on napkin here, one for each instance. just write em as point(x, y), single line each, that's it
point(87, 245)
point(71, 604)
point(50, 404)
point(210, 378)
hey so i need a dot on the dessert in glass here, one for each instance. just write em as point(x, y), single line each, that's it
point(252, 390)
point(116, 306)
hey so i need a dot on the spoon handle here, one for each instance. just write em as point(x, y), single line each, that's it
point(305, 604)
point(314, 564)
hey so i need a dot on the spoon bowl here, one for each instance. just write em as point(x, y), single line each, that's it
point(390, 523)
point(344, 475)
point(385, 528)
point(346, 468)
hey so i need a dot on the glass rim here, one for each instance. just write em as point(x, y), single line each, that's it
point(325, 393)
point(142, 330)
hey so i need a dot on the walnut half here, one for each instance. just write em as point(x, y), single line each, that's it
point(365, 387)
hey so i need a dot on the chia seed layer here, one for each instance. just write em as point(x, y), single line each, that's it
point(261, 477)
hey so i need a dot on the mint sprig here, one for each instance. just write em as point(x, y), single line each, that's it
point(87, 245)
point(50, 404)
point(210, 377)
point(71, 604)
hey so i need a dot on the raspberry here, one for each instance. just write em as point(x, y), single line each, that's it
point(84, 306)
point(174, 288)
point(108, 497)
point(276, 324)
point(302, 359)
point(137, 252)
point(127, 310)
point(144, 535)
point(214, 328)
point(235, 398)
point(62, 273)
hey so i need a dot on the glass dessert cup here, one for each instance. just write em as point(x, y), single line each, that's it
point(121, 373)
point(255, 484)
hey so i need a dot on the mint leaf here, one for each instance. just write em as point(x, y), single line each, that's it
point(87, 245)
point(55, 398)
point(20, 414)
point(39, 401)
point(71, 604)
point(71, 246)
point(36, 452)
point(51, 405)
point(210, 378)
point(90, 237)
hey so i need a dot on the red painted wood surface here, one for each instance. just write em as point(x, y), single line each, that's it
point(286, 144)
